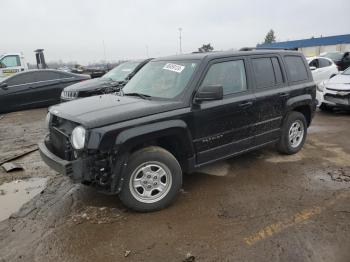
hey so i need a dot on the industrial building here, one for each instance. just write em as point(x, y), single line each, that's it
point(313, 46)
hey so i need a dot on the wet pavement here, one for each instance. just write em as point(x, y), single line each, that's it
point(261, 206)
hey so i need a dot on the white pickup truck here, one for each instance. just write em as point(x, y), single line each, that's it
point(11, 63)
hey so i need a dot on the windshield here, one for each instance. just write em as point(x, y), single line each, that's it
point(161, 79)
point(334, 55)
point(122, 71)
point(346, 71)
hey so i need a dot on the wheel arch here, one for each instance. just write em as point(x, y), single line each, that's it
point(302, 104)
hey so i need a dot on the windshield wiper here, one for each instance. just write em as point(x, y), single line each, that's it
point(143, 96)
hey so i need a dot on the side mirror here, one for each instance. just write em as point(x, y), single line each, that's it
point(312, 68)
point(3, 86)
point(208, 93)
point(2, 65)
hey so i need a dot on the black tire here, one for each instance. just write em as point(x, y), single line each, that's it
point(140, 159)
point(325, 107)
point(284, 145)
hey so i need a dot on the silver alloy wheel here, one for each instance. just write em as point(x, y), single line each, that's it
point(296, 133)
point(150, 182)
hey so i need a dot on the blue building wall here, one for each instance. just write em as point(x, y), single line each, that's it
point(311, 42)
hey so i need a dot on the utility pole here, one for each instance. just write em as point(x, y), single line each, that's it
point(180, 29)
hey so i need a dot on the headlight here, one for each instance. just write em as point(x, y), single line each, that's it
point(321, 87)
point(78, 137)
point(47, 120)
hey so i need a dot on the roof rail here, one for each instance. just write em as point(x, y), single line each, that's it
point(247, 49)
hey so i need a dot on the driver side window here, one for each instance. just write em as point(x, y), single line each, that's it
point(314, 63)
point(230, 75)
point(10, 61)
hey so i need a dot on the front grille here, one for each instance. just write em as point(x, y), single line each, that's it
point(60, 131)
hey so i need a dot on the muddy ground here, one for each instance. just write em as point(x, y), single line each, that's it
point(257, 207)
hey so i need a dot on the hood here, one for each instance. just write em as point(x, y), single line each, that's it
point(97, 111)
point(90, 85)
point(338, 82)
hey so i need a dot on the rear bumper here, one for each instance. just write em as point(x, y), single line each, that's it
point(73, 169)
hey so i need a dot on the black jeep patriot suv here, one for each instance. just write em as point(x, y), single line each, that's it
point(177, 114)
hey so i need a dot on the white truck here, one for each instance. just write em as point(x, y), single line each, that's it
point(11, 63)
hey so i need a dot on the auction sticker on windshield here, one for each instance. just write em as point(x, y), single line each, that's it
point(174, 67)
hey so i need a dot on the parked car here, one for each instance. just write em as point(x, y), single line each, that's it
point(322, 68)
point(177, 114)
point(108, 83)
point(335, 92)
point(34, 88)
point(341, 59)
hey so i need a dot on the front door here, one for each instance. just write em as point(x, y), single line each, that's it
point(224, 127)
point(17, 93)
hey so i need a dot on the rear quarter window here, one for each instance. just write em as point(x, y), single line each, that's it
point(296, 68)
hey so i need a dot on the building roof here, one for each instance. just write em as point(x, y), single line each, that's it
point(328, 40)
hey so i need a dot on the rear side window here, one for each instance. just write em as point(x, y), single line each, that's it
point(45, 76)
point(230, 75)
point(296, 68)
point(267, 72)
point(263, 71)
point(324, 62)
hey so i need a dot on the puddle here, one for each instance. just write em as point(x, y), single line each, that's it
point(15, 194)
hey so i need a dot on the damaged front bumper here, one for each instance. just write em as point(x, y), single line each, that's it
point(74, 169)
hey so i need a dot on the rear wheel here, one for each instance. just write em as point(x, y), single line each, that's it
point(294, 133)
point(152, 180)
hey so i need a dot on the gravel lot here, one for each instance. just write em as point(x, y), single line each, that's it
point(261, 206)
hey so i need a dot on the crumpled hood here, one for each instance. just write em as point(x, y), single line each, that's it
point(90, 85)
point(338, 82)
point(96, 111)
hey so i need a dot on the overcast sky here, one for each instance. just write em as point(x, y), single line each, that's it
point(74, 30)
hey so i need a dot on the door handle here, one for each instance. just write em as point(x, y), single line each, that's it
point(283, 94)
point(246, 104)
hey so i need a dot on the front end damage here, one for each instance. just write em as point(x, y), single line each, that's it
point(90, 167)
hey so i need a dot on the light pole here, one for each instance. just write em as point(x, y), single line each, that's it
point(180, 29)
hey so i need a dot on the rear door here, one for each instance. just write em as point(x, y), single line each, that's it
point(47, 88)
point(271, 92)
point(224, 127)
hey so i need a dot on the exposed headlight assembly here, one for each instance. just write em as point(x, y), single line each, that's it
point(321, 87)
point(78, 137)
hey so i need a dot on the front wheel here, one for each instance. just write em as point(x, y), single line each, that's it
point(152, 180)
point(294, 133)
